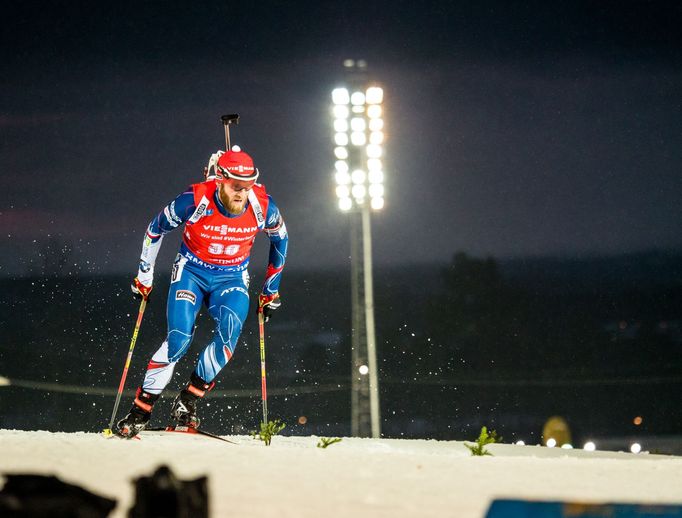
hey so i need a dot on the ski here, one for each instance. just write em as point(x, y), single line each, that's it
point(109, 434)
point(187, 430)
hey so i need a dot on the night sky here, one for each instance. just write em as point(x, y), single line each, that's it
point(514, 128)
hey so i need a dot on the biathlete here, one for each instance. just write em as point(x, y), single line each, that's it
point(220, 218)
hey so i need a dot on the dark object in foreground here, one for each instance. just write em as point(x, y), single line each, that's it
point(163, 495)
point(38, 495)
point(533, 509)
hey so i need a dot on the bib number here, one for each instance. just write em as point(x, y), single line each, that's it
point(220, 249)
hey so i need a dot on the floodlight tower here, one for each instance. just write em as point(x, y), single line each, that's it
point(358, 139)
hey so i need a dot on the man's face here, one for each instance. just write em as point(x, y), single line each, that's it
point(234, 193)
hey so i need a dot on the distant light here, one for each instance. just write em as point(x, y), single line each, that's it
point(374, 151)
point(357, 99)
point(358, 176)
point(359, 192)
point(567, 446)
point(374, 111)
point(340, 125)
point(590, 446)
point(376, 137)
point(520, 443)
point(635, 447)
point(363, 369)
point(637, 420)
point(342, 177)
point(551, 442)
point(358, 109)
point(358, 124)
point(340, 96)
point(4, 382)
point(345, 204)
point(341, 112)
point(302, 420)
point(376, 124)
point(376, 190)
point(377, 203)
point(374, 164)
point(341, 153)
point(341, 139)
point(375, 95)
point(341, 166)
point(358, 138)
point(349, 63)
point(376, 176)
point(343, 191)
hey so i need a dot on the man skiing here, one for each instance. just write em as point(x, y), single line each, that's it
point(221, 218)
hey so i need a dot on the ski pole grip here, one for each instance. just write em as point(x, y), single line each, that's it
point(230, 118)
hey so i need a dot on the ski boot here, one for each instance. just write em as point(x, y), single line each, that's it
point(184, 409)
point(139, 415)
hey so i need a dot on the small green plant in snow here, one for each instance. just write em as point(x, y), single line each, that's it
point(267, 430)
point(326, 441)
point(484, 438)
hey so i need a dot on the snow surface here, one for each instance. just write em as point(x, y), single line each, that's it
point(356, 477)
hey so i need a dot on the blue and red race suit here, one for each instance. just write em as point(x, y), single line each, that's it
point(210, 269)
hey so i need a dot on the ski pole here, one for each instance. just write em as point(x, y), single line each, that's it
point(143, 305)
point(264, 391)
